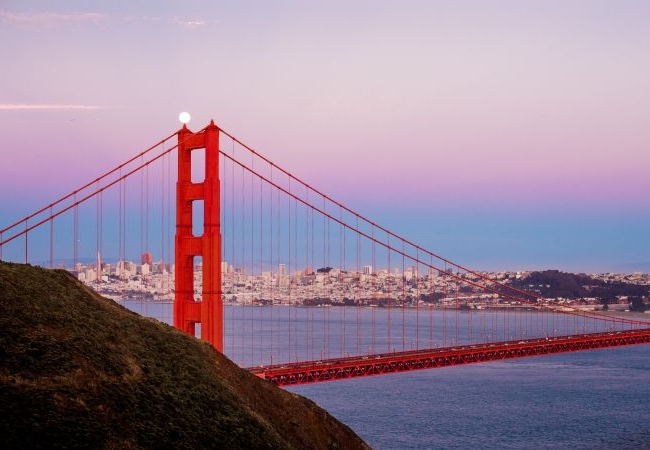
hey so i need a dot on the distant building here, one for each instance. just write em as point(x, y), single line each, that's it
point(90, 275)
point(146, 258)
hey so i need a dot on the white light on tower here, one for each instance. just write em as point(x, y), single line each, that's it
point(184, 117)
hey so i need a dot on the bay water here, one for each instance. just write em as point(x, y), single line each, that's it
point(597, 399)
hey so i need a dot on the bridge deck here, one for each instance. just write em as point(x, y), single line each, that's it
point(369, 365)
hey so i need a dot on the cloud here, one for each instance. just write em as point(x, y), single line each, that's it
point(45, 19)
point(30, 19)
point(190, 23)
point(184, 22)
point(24, 106)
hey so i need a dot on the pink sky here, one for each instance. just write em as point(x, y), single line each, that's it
point(432, 106)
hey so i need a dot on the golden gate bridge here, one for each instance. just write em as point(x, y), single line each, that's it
point(281, 277)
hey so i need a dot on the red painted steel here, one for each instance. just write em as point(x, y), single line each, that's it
point(364, 366)
point(208, 311)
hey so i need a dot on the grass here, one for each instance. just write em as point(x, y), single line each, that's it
point(80, 371)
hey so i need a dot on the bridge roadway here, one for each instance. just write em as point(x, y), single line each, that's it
point(369, 365)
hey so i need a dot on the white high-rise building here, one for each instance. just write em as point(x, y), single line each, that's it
point(91, 274)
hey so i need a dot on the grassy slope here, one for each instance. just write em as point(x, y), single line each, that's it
point(78, 370)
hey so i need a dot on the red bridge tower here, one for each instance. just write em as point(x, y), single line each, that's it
point(208, 310)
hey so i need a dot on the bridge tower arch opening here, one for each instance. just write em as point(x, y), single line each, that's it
point(207, 310)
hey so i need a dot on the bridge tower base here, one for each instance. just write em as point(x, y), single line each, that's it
point(208, 309)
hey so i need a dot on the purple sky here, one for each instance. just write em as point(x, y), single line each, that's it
point(502, 134)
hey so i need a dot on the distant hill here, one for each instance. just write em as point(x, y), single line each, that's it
point(79, 371)
point(554, 284)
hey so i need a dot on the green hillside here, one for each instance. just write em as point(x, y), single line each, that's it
point(79, 371)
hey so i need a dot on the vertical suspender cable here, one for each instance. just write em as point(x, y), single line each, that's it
point(403, 298)
point(290, 262)
point(26, 232)
point(252, 261)
point(75, 233)
point(456, 309)
point(432, 293)
point(144, 277)
point(170, 230)
point(309, 271)
point(356, 284)
point(272, 271)
point(444, 307)
point(51, 239)
point(146, 226)
point(141, 209)
point(263, 286)
point(100, 228)
point(341, 274)
point(97, 233)
point(120, 229)
point(235, 330)
point(372, 289)
point(470, 305)
point(292, 310)
point(162, 220)
point(390, 296)
point(243, 261)
point(163, 229)
point(417, 300)
point(321, 293)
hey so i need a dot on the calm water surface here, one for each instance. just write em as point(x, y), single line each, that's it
point(586, 400)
